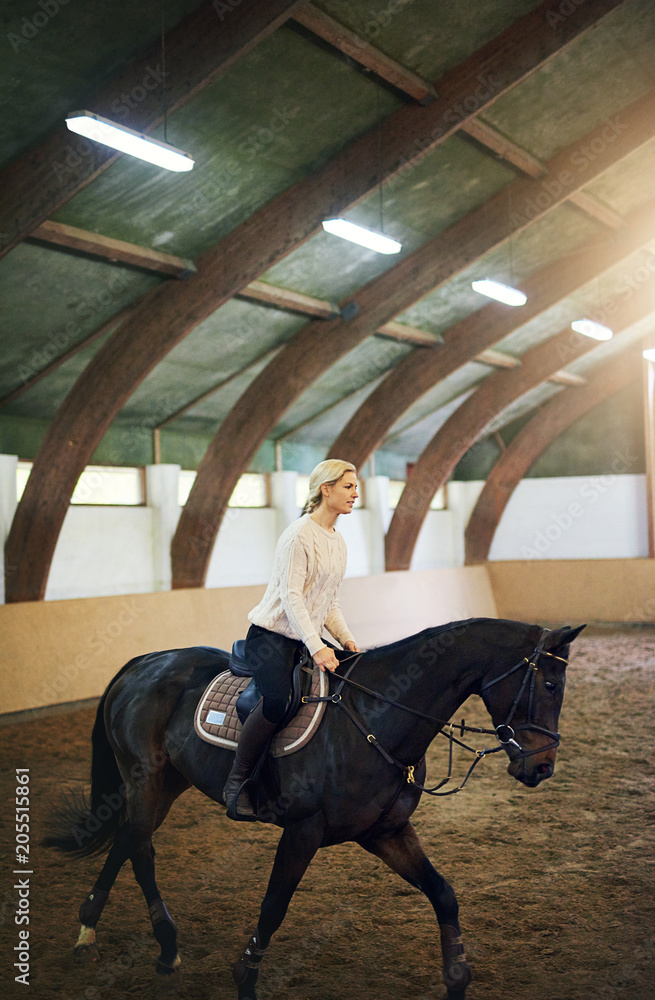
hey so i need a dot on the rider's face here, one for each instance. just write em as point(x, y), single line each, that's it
point(340, 496)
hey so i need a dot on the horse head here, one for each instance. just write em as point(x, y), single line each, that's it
point(525, 701)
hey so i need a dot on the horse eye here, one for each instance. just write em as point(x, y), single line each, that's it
point(551, 686)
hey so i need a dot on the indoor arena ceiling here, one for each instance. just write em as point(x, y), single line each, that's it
point(292, 91)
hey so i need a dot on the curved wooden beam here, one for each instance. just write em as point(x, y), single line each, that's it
point(533, 439)
point(310, 353)
point(202, 47)
point(170, 312)
point(417, 373)
point(460, 432)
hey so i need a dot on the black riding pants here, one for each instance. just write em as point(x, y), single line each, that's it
point(272, 657)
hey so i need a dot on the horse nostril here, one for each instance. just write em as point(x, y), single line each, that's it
point(543, 769)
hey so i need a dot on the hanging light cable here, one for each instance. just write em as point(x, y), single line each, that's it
point(127, 140)
point(361, 235)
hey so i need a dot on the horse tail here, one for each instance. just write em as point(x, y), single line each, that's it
point(84, 827)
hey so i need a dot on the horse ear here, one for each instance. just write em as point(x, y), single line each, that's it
point(562, 636)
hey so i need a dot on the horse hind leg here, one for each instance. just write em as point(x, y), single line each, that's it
point(92, 907)
point(403, 853)
point(148, 808)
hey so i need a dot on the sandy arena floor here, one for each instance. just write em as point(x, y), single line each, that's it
point(556, 885)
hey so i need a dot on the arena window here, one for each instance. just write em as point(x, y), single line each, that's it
point(396, 486)
point(106, 485)
point(250, 491)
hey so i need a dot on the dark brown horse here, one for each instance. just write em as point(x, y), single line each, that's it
point(359, 779)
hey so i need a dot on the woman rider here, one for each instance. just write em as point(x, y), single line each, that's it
point(301, 599)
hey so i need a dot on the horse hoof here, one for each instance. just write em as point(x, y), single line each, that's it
point(171, 973)
point(456, 994)
point(84, 954)
point(247, 991)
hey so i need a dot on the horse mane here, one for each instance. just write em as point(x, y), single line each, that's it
point(504, 631)
point(401, 645)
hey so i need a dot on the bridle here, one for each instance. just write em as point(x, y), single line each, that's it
point(504, 732)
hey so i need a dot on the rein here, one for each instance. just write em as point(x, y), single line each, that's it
point(504, 732)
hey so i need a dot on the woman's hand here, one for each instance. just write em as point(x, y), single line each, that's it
point(352, 647)
point(325, 659)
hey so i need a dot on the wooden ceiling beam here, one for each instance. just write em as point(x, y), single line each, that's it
point(597, 209)
point(550, 421)
point(415, 375)
point(409, 334)
point(117, 251)
point(528, 164)
point(416, 87)
point(310, 352)
point(202, 47)
point(284, 298)
point(460, 432)
point(357, 48)
point(171, 311)
point(567, 378)
point(497, 359)
point(504, 148)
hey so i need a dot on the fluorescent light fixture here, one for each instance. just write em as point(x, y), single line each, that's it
point(128, 141)
point(502, 293)
point(590, 328)
point(363, 237)
point(649, 353)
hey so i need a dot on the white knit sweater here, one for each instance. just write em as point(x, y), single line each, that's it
point(303, 594)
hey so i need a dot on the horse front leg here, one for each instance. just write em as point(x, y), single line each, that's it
point(403, 853)
point(296, 848)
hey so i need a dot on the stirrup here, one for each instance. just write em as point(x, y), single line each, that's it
point(232, 811)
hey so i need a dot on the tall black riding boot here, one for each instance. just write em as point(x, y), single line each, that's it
point(256, 734)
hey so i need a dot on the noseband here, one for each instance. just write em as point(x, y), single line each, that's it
point(505, 734)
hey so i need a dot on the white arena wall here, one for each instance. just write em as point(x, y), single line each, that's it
point(567, 550)
point(105, 551)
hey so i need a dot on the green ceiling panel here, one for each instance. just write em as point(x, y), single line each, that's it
point(442, 394)
point(409, 31)
point(21, 436)
point(323, 430)
point(569, 96)
point(626, 185)
point(557, 234)
point(51, 300)
point(57, 55)
point(413, 440)
point(44, 398)
point(598, 299)
point(207, 415)
point(359, 367)
point(234, 336)
point(447, 183)
point(188, 449)
point(279, 113)
point(590, 447)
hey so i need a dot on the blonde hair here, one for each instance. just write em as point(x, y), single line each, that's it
point(325, 474)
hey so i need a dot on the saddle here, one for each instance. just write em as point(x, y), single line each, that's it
point(301, 682)
point(232, 695)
